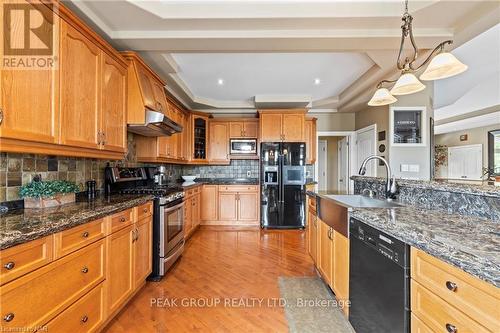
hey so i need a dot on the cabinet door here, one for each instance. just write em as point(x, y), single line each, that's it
point(270, 127)
point(341, 267)
point(313, 231)
point(228, 210)
point(293, 127)
point(28, 105)
point(326, 247)
point(146, 88)
point(143, 250)
point(188, 216)
point(209, 198)
point(310, 136)
point(196, 210)
point(119, 277)
point(218, 142)
point(160, 99)
point(250, 129)
point(181, 139)
point(113, 109)
point(248, 207)
point(236, 129)
point(80, 89)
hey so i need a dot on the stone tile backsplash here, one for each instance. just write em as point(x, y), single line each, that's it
point(19, 169)
point(237, 169)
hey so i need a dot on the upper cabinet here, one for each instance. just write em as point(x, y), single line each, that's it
point(75, 109)
point(199, 125)
point(219, 142)
point(243, 129)
point(80, 89)
point(310, 134)
point(113, 106)
point(282, 125)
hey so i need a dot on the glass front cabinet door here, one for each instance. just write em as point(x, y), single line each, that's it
point(407, 126)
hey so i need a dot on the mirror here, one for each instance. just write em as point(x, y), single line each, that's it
point(494, 152)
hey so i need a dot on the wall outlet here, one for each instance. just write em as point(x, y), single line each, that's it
point(249, 173)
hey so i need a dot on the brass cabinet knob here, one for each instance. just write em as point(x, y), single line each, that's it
point(84, 319)
point(10, 265)
point(451, 328)
point(85, 270)
point(145, 210)
point(8, 317)
point(122, 219)
point(452, 286)
point(85, 234)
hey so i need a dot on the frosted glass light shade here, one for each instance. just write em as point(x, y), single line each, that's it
point(407, 84)
point(442, 66)
point(382, 97)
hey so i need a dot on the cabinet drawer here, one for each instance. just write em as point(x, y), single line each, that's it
point(238, 188)
point(144, 210)
point(417, 326)
point(86, 315)
point(36, 298)
point(189, 193)
point(121, 220)
point(438, 314)
point(21, 259)
point(75, 238)
point(479, 299)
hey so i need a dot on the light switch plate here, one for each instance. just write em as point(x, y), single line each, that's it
point(414, 168)
point(404, 167)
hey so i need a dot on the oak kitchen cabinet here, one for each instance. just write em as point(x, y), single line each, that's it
point(192, 210)
point(310, 135)
point(279, 125)
point(445, 298)
point(230, 205)
point(77, 279)
point(244, 129)
point(199, 138)
point(326, 247)
point(63, 111)
point(218, 142)
point(340, 268)
point(313, 232)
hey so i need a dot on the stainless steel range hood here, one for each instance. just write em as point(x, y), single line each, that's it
point(157, 124)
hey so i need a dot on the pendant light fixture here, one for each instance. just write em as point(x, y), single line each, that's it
point(442, 65)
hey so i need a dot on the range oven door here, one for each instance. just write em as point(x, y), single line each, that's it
point(171, 228)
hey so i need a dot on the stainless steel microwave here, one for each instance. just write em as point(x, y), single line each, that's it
point(243, 146)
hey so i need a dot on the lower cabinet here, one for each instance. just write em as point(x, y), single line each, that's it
point(329, 251)
point(191, 211)
point(326, 261)
point(119, 277)
point(143, 251)
point(94, 273)
point(234, 205)
point(340, 271)
point(86, 315)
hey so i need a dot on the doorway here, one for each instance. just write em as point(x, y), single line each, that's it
point(366, 145)
point(333, 164)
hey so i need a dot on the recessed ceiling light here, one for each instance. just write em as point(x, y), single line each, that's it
point(220, 82)
point(317, 81)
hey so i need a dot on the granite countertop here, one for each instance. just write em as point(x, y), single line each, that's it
point(23, 225)
point(469, 243)
point(440, 185)
point(228, 181)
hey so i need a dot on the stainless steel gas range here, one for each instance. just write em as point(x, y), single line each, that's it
point(168, 212)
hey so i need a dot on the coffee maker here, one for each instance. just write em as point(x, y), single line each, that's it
point(161, 176)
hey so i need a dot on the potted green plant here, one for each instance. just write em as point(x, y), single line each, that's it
point(45, 194)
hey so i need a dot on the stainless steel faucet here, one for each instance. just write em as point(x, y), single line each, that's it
point(391, 187)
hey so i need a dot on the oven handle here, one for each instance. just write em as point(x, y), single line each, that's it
point(169, 209)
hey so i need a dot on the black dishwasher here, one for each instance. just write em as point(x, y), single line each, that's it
point(379, 281)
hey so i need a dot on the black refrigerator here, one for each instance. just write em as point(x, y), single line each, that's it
point(283, 179)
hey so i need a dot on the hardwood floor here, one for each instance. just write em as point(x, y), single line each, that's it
point(223, 265)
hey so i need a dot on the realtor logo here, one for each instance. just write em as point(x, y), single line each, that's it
point(29, 31)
